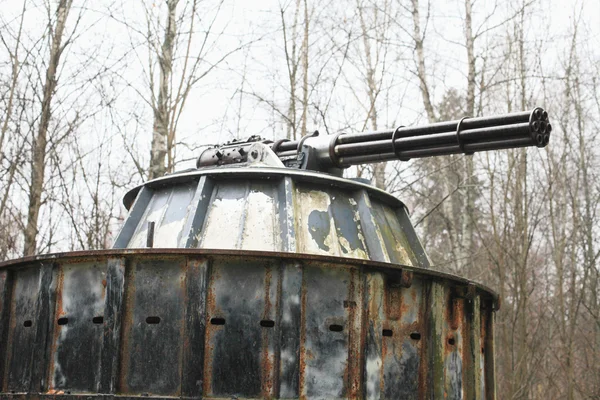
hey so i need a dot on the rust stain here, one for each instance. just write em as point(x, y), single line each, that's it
point(348, 376)
point(59, 312)
point(406, 279)
point(268, 277)
point(302, 356)
point(483, 325)
point(377, 306)
point(277, 354)
point(364, 327)
point(410, 321)
point(267, 362)
point(208, 346)
point(401, 308)
point(59, 292)
point(393, 302)
point(424, 329)
point(357, 334)
point(126, 323)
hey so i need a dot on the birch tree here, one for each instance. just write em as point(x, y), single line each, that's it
point(181, 39)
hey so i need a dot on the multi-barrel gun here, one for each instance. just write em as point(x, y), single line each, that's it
point(331, 153)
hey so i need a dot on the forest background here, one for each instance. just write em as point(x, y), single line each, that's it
point(97, 97)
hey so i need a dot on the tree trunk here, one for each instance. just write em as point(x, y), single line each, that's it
point(373, 92)
point(305, 70)
point(38, 156)
point(421, 70)
point(468, 191)
point(160, 130)
point(292, 70)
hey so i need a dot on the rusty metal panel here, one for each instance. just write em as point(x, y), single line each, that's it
point(437, 305)
point(475, 357)
point(454, 348)
point(31, 315)
point(484, 315)
point(152, 327)
point(488, 323)
point(325, 337)
point(113, 321)
point(78, 327)
point(355, 304)
point(394, 341)
point(246, 325)
point(290, 325)
point(241, 330)
point(44, 315)
point(402, 343)
point(21, 339)
point(6, 285)
point(195, 327)
point(375, 300)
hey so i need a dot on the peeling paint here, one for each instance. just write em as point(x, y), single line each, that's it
point(275, 215)
point(224, 220)
point(260, 226)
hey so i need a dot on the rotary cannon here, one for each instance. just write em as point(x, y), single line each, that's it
point(467, 135)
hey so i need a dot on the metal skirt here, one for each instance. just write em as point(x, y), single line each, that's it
point(189, 323)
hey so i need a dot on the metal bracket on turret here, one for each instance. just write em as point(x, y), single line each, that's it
point(259, 154)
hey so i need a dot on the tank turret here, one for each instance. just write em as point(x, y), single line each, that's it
point(263, 273)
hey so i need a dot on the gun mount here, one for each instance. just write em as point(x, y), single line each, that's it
point(245, 279)
point(331, 153)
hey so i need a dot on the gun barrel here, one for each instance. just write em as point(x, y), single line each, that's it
point(467, 135)
point(333, 152)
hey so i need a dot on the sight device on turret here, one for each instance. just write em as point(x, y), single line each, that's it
point(262, 274)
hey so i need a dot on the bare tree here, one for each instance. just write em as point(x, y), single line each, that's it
point(181, 53)
point(371, 58)
point(419, 40)
point(296, 59)
point(11, 157)
point(38, 158)
point(295, 19)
